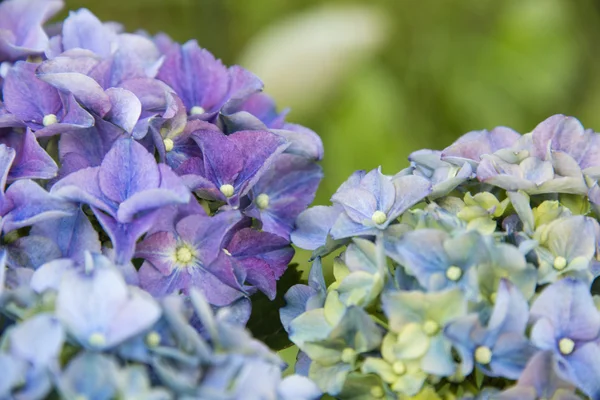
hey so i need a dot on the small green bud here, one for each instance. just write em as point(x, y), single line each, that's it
point(483, 355)
point(262, 201)
point(227, 190)
point(453, 273)
point(97, 339)
point(560, 263)
point(379, 217)
point(566, 346)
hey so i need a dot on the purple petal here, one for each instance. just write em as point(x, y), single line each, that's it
point(125, 110)
point(31, 160)
point(127, 169)
point(83, 30)
point(313, 226)
point(28, 203)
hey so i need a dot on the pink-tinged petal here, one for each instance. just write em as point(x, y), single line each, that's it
point(159, 249)
point(158, 284)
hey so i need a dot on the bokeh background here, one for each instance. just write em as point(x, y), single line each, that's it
point(381, 78)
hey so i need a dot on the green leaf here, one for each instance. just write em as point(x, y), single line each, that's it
point(264, 321)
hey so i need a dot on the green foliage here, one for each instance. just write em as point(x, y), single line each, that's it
point(264, 321)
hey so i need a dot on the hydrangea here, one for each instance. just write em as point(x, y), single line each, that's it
point(147, 191)
point(484, 284)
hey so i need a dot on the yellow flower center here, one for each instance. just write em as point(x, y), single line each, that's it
point(168, 144)
point(560, 263)
point(379, 217)
point(49, 119)
point(483, 355)
point(227, 190)
point(184, 255)
point(262, 201)
point(453, 273)
point(566, 346)
point(197, 110)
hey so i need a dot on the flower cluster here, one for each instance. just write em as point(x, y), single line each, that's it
point(469, 274)
point(143, 186)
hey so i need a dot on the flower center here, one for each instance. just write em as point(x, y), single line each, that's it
point(227, 190)
point(184, 255)
point(566, 346)
point(348, 355)
point(153, 339)
point(399, 368)
point(453, 273)
point(377, 392)
point(227, 252)
point(483, 355)
point(262, 201)
point(197, 110)
point(49, 119)
point(431, 327)
point(168, 144)
point(560, 263)
point(378, 217)
point(493, 297)
point(97, 339)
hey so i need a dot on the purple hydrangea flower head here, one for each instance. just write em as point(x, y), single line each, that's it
point(567, 323)
point(21, 27)
point(500, 348)
point(123, 191)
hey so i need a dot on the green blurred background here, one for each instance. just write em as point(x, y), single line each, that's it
point(379, 79)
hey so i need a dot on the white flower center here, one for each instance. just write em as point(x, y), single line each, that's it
point(97, 339)
point(197, 110)
point(49, 119)
point(168, 144)
point(566, 346)
point(379, 217)
point(560, 263)
point(227, 190)
point(483, 355)
point(453, 273)
point(262, 201)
